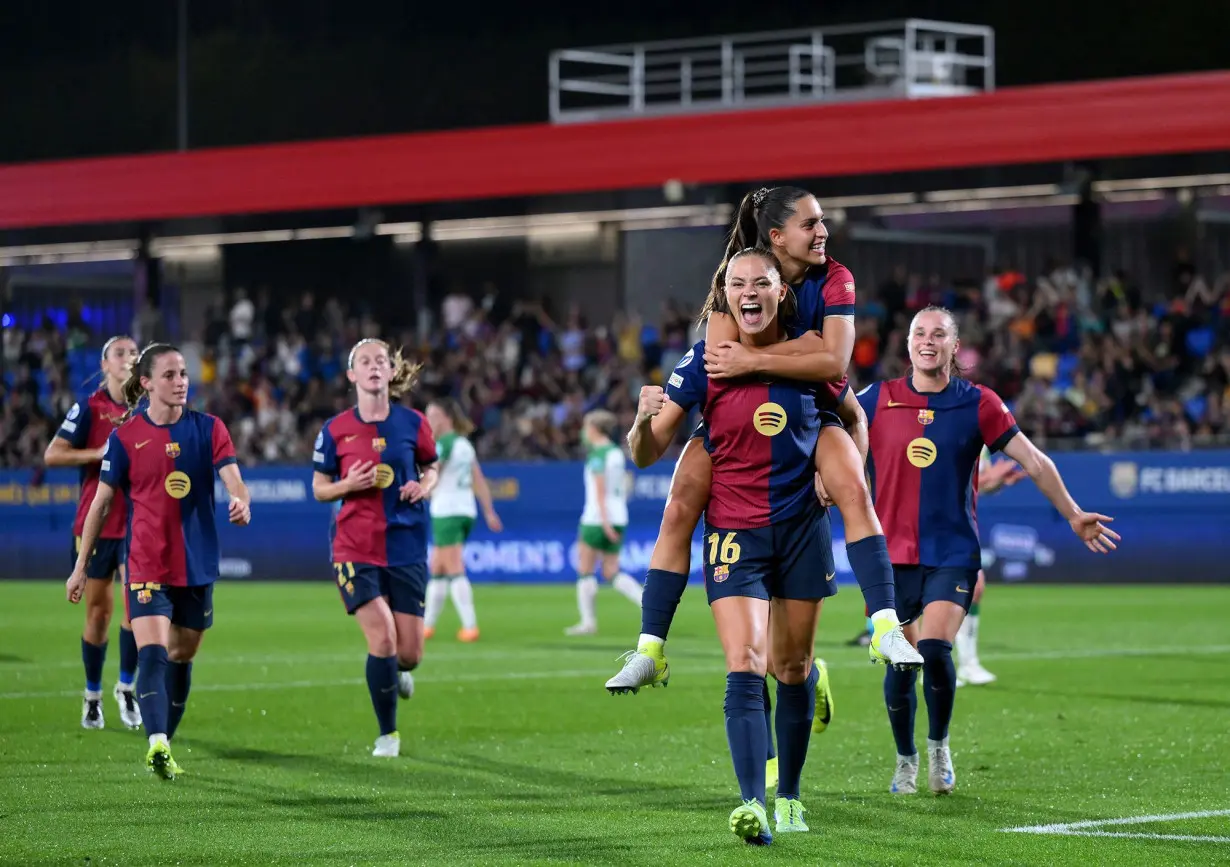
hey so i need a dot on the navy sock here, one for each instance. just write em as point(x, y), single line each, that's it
point(796, 708)
point(768, 719)
point(660, 598)
point(152, 688)
point(902, 703)
point(871, 566)
point(382, 684)
point(406, 666)
point(94, 656)
point(128, 657)
point(939, 685)
point(745, 731)
point(179, 682)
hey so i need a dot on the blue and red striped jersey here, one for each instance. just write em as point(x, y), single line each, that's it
point(826, 290)
point(923, 463)
point(89, 426)
point(167, 471)
point(376, 527)
point(761, 437)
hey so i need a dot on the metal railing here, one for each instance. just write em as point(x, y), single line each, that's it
point(914, 58)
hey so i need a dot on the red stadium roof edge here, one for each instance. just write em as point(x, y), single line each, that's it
point(1118, 118)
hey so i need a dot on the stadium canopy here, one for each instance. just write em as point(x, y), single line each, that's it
point(1139, 117)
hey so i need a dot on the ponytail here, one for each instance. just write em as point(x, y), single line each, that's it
point(460, 421)
point(405, 375)
point(759, 213)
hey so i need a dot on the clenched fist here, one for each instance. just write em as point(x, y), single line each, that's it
point(653, 398)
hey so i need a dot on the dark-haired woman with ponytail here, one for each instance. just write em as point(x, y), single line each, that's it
point(926, 432)
point(80, 442)
point(163, 458)
point(790, 222)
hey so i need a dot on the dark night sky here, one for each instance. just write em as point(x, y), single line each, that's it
point(82, 78)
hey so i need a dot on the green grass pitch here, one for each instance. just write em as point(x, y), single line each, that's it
point(1112, 704)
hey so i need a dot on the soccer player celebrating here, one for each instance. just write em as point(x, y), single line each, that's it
point(926, 433)
point(454, 506)
point(164, 458)
point(992, 476)
point(767, 542)
point(604, 520)
point(379, 459)
point(80, 442)
point(789, 222)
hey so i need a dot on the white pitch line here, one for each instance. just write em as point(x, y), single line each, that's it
point(1092, 827)
point(709, 668)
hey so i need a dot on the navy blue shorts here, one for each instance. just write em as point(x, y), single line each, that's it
point(105, 560)
point(404, 586)
point(919, 586)
point(189, 607)
point(792, 559)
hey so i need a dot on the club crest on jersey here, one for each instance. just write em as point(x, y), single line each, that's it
point(926, 416)
point(769, 419)
point(173, 450)
point(378, 444)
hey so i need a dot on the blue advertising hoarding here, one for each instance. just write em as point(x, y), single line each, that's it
point(1172, 509)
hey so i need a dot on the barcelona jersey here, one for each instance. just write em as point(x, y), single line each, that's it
point(376, 526)
point(923, 462)
point(761, 436)
point(87, 426)
point(167, 472)
point(826, 290)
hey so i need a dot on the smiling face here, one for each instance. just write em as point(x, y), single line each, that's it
point(754, 290)
point(370, 368)
point(803, 237)
point(933, 341)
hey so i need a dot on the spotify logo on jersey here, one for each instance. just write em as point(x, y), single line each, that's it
point(921, 452)
point(769, 419)
point(384, 475)
point(178, 485)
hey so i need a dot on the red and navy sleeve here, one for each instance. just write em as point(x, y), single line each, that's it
point(324, 453)
point(114, 471)
point(688, 383)
point(839, 292)
point(868, 398)
point(76, 426)
point(223, 448)
point(995, 421)
point(425, 442)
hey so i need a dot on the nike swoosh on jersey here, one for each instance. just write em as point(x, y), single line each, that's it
point(143, 443)
point(895, 403)
point(347, 439)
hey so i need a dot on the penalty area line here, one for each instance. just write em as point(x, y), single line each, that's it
point(1094, 828)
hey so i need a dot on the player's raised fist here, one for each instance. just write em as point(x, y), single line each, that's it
point(653, 398)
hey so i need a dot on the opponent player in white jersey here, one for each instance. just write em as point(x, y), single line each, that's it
point(454, 508)
point(604, 520)
point(992, 476)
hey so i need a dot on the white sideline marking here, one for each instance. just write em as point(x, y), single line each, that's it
point(1091, 828)
point(497, 675)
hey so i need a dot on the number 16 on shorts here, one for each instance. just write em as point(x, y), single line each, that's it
point(725, 569)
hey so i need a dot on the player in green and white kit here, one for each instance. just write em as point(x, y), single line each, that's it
point(454, 508)
point(604, 520)
point(992, 476)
